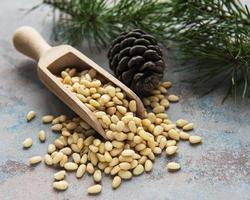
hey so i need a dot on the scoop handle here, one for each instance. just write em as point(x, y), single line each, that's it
point(29, 42)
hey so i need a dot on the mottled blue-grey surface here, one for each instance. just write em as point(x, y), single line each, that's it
point(217, 169)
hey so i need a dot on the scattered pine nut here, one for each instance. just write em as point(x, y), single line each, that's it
point(166, 84)
point(27, 143)
point(173, 134)
point(60, 185)
point(148, 165)
point(194, 139)
point(35, 160)
point(60, 175)
point(173, 166)
point(181, 122)
point(171, 143)
point(70, 166)
point(56, 127)
point(95, 189)
point(51, 148)
point(47, 119)
point(124, 174)
point(173, 98)
point(31, 115)
point(97, 176)
point(81, 171)
point(171, 150)
point(48, 160)
point(138, 170)
point(116, 182)
point(188, 127)
point(42, 135)
point(184, 135)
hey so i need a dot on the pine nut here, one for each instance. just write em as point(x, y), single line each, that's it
point(97, 176)
point(173, 166)
point(166, 84)
point(181, 122)
point(81, 171)
point(173, 98)
point(60, 185)
point(48, 160)
point(162, 115)
point(31, 115)
point(106, 120)
point(116, 182)
point(27, 143)
point(194, 139)
point(60, 175)
point(47, 119)
point(146, 122)
point(120, 126)
point(57, 158)
point(168, 127)
point(94, 103)
point(108, 146)
point(84, 159)
point(158, 130)
point(110, 90)
point(114, 162)
point(132, 106)
point(95, 189)
point(90, 169)
point(76, 158)
point(124, 166)
point(71, 126)
point(35, 160)
point(173, 134)
point(70, 166)
point(148, 165)
point(115, 170)
point(56, 127)
point(165, 103)
point(188, 127)
point(42, 135)
point(122, 109)
point(138, 170)
point(158, 109)
point(157, 150)
point(59, 144)
point(66, 150)
point(125, 174)
point(128, 152)
point(163, 143)
point(63, 160)
point(171, 143)
point(184, 135)
point(171, 150)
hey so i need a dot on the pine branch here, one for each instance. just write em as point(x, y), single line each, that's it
point(216, 36)
point(99, 21)
point(213, 34)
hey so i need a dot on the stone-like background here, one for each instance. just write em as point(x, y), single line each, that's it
point(217, 169)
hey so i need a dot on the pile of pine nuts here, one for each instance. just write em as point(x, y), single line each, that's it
point(133, 143)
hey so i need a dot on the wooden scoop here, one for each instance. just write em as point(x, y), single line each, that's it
point(52, 60)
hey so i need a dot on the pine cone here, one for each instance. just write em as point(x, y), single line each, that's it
point(137, 61)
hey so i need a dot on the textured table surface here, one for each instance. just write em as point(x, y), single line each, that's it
point(217, 169)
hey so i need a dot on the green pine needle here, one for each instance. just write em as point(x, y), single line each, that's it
point(216, 36)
